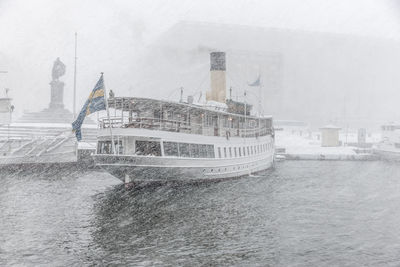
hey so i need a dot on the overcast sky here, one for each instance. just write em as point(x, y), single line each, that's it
point(112, 33)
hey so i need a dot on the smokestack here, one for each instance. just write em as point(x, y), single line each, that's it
point(218, 77)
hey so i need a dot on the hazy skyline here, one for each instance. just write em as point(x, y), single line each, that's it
point(111, 35)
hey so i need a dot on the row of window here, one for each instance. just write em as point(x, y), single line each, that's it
point(234, 152)
point(175, 149)
point(188, 150)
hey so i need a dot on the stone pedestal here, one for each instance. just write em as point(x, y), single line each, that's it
point(57, 93)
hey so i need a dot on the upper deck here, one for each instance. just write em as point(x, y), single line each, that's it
point(184, 117)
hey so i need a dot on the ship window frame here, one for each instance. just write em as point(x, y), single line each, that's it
point(203, 151)
point(219, 152)
point(235, 150)
point(210, 151)
point(240, 151)
point(225, 152)
point(104, 147)
point(167, 146)
point(230, 152)
point(184, 150)
point(194, 150)
point(144, 147)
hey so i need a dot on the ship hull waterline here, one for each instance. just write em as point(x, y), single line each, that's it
point(151, 169)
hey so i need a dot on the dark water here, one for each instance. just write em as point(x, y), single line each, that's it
point(300, 214)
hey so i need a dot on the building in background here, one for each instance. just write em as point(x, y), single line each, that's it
point(306, 76)
point(330, 136)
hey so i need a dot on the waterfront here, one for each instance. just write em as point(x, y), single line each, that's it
point(303, 213)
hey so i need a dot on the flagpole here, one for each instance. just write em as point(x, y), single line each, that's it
point(259, 109)
point(76, 43)
point(108, 116)
point(245, 114)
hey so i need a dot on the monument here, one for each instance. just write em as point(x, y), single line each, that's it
point(57, 86)
point(56, 112)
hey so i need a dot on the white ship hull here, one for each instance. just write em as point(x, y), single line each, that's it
point(168, 169)
point(165, 168)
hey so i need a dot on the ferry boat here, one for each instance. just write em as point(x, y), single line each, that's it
point(389, 147)
point(156, 140)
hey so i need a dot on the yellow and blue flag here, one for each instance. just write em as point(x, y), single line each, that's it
point(95, 102)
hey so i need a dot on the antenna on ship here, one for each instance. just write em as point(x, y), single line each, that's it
point(74, 107)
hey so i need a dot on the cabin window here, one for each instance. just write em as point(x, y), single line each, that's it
point(184, 150)
point(148, 148)
point(252, 150)
point(235, 152)
point(194, 150)
point(170, 115)
point(210, 151)
point(248, 151)
point(240, 151)
point(224, 152)
point(203, 151)
point(118, 147)
point(171, 149)
point(104, 147)
point(219, 152)
point(157, 114)
point(230, 152)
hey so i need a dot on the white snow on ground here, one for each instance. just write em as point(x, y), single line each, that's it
point(295, 144)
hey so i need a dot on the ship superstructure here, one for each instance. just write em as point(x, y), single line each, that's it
point(157, 140)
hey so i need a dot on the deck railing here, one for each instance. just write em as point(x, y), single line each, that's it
point(180, 126)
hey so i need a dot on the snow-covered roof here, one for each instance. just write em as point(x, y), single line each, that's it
point(331, 126)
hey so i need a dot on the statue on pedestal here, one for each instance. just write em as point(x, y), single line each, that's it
point(57, 87)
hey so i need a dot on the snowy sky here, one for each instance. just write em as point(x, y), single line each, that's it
point(112, 33)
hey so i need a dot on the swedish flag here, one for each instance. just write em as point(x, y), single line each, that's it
point(94, 103)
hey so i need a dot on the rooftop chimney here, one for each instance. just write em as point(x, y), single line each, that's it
point(218, 77)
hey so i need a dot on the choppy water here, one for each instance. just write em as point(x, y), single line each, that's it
point(300, 214)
